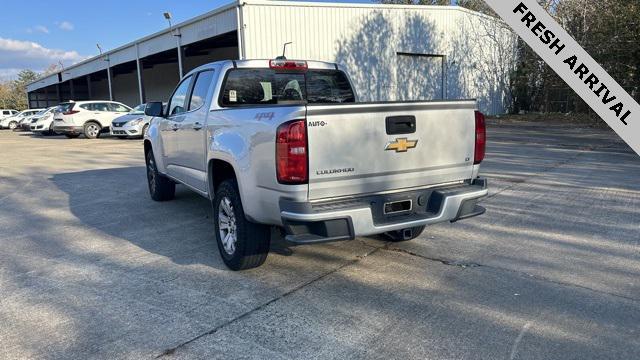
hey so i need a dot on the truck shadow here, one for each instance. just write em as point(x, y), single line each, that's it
point(181, 229)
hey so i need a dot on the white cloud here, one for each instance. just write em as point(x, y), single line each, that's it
point(41, 28)
point(17, 54)
point(65, 25)
point(9, 74)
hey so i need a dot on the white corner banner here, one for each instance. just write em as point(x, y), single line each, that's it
point(572, 63)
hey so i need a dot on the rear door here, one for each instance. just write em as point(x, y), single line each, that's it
point(99, 111)
point(190, 136)
point(356, 149)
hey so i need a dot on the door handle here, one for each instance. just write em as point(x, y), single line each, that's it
point(197, 126)
point(175, 127)
point(398, 125)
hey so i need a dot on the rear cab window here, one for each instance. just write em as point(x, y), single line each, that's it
point(245, 87)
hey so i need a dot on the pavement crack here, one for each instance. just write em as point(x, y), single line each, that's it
point(358, 258)
point(459, 264)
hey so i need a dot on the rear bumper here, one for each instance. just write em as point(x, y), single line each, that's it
point(346, 219)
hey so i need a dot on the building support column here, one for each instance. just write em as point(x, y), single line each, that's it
point(140, 82)
point(58, 93)
point(73, 90)
point(89, 87)
point(109, 81)
point(178, 36)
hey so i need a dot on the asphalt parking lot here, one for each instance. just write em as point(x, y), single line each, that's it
point(90, 267)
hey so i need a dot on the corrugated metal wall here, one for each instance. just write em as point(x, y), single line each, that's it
point(367, 39)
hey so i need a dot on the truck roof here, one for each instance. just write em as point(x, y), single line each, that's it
point(264, 63)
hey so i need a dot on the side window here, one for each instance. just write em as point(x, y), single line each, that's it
point(177, 104)
point(103, 107)
point(248, 87)
point(6, 112)
point(118, 108)
point(88, 107)
point(200, 89)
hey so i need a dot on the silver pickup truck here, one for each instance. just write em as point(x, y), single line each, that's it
point(285, 143)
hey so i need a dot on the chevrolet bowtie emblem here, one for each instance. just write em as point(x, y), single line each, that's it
point(401, 145)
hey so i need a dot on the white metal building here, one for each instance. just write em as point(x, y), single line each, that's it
point(393, 52)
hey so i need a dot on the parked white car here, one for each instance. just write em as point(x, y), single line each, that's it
point(90, 118)
point(42, 124)
point(13, 122)
point(25, 122)
point(4, 113)
point(134, 124)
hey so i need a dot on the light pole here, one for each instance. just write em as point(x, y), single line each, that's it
point(106, 58)
point(167, 15)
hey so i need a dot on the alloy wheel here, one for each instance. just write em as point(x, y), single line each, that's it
point(92, 130)
point(151, 173)
point(227, 226)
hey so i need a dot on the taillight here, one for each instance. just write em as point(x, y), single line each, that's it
point(291, 153)
point(70, 112)
point(282, 64)
point(481, 138)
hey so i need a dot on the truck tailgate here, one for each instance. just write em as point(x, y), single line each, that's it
point(372, 147)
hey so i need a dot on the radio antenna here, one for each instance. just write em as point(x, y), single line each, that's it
point(284, 51)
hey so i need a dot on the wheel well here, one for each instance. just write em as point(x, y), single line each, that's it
point(147, 147)
point(219, 171)
point(92, 121)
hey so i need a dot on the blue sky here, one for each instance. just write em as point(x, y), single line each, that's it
point(38, 33)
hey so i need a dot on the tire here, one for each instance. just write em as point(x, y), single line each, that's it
point(13, 125)
point(71, 136)
point(145, 129)
point(247, 244)
point(92, 130)
point(160, 187)
point(399, 235)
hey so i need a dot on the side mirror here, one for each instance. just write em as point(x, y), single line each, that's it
point(154, 109)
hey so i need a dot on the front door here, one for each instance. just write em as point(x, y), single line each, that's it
point(169, 126)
